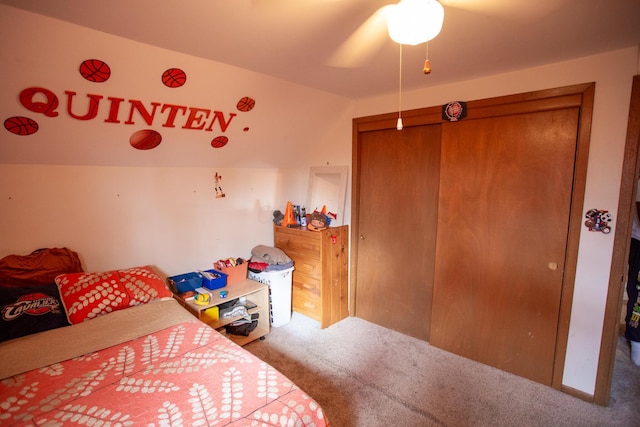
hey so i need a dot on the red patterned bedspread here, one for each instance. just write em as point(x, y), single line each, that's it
point(184, 375)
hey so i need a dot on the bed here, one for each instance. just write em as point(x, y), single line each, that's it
point(142, 360)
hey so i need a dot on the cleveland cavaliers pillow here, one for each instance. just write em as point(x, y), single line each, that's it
point(30, 309)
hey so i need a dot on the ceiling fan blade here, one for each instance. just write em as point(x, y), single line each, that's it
point(360, 47)
point(287, 3)
point(508, 9)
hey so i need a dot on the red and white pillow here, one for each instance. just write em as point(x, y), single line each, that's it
point(89, 295)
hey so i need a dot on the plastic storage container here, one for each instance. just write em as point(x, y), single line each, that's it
point(279, 283)
point(192, 281)
point(219, 280)
point(185, 282)
point(235, 274)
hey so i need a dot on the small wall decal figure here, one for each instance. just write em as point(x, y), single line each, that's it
point(21, 125)
point(246, 104)
point(95, 70)
point(174, 77)
point(598, 220)
point(145, 139)
point(219, 193)
point(219, 141)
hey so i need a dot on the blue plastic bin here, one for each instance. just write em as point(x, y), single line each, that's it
point(185, 282)
point(220, 281)
point(194, 280)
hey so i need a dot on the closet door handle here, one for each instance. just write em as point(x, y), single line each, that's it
point(362, 237)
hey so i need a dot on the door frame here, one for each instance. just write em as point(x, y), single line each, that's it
point(580, 95)
point(621, 243)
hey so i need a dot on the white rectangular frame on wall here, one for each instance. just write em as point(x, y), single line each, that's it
point(328, 187)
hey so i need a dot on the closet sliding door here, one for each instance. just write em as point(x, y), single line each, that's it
point(504, 212)
point(398, 201)
point(473, 244)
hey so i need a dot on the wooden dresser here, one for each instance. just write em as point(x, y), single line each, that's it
point(320, 279)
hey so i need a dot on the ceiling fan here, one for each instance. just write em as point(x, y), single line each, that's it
point(407, 22)
point(361, 46)
point(358, 49)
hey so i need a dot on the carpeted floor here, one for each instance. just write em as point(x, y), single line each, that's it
point(364, 375)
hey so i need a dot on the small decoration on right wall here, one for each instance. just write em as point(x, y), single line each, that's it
point(598, 220)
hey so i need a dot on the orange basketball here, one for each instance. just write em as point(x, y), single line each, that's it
point(145, 139)
point(246, 104)
point(174, 77)
point(95, 70)
point(21, 125)
point(219, 141)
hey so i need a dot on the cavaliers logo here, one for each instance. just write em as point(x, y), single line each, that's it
point(34, 304)
point(454, 111)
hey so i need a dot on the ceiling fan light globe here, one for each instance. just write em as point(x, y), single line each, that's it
point(415, 21)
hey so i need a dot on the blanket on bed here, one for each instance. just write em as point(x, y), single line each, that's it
point(184, 374)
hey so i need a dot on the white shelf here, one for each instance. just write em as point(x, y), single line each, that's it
point(255, 292)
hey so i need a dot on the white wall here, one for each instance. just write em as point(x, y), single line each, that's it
point(80, 184)
point(44, 52)
point(125, 216)
point(612, 72)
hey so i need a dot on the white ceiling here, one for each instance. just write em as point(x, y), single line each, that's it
point(297, 40)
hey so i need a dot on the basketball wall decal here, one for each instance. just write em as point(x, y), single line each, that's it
point(219, 141)
point(174, 77)
point(95, 70)
point(145, 139)
point(21, 125)
point(246, 104)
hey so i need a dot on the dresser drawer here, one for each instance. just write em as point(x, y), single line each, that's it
point(301, 245)
point(305, 299)
point(307, 268)
point(307, 283)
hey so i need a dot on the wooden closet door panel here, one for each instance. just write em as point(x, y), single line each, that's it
point(398, 201)
point(505, 188)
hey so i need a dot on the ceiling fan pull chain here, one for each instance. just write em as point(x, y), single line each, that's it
point(399, 125)
point(427, 64)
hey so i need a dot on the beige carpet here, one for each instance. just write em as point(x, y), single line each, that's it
point(364, 375)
